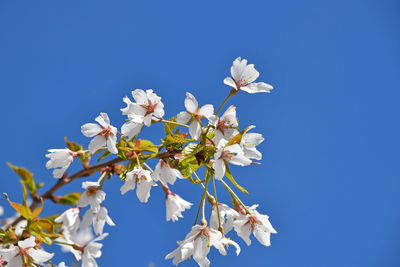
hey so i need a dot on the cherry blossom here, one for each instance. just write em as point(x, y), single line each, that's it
point(175, 206)
point(243, 77)
point(232, 154)
point(61, 264)
point(1, 210)
point(165, 172)
point(225, 127)
point(89, 252)
point(143, 180)
point(198, 243)
point(25, 251)
point(227, 215)
point(60, 159)
point(70, 220)
point(255, 223)
point(93, 195)
point(147, 105)
point(194, 114)
point(98, 218)
point(249, 142)
point(104, 134)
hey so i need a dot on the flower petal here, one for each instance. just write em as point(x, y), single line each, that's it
point(191, 104)
point(91, 129)
point(97, 142)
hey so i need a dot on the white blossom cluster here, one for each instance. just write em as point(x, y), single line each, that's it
point(230, 145)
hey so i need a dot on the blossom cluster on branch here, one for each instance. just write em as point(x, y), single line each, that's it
point(197, 140)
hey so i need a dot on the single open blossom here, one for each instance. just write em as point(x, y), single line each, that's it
point(25, 249)
point(93, 195)
point(249, 142)
point(227, 215)
point(98, 218)
point(232, 154)
point(194, 114)
point(175, 206)
point(80, 237)
point(70, 220)
point(225, 127)
point(243, 77)
point(60, 159)
point(104, 134)
point(147, 105)
point(89, 252)
point(141, 178)
point(165, 172)
point(198, 243)
point(255, 223)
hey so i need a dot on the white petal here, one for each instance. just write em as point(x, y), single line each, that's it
point(243, 230)
point(97, 142)
point(257, 88)
point(91, 129)
point(219, 168)
point(111, 144)
point(131, 129)
point(240, 160)
point(27, 243)
point(206, 111)
point(39, 255)
point(201, 248)
point(262, 235)
point(140, 96)
point(103, 119)
point(183, 117)
point(229, 81)
point(191, 104)
point(195, 129)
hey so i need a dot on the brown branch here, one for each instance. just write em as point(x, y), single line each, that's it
point(63, 181)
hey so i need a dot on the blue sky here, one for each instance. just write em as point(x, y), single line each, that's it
point(330, 176)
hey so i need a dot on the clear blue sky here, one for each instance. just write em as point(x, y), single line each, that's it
point(330, 178)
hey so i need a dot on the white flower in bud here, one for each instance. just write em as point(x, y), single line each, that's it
point(257, 223)
point(98, 218)
point(141, 178)
point(104, 134)
point(249, 142)
point(243, 77)
point(60, 159)
point(165, 172)
point(194, 114)
point(232, 154)
point(25, 248)
point(198, 243)
point(175, 206)
point(93, 195)
point(70, 220)
point(225, 127)
point(227, 215)
point(147, 105)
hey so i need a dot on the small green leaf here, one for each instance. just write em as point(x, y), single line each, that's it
point(70, 199)
point(73, 146)
point(21, 209)
point(230, 177)
point(177, 139)
point(26, 177)
point(238, 138)
point(36, 212)
point(104, 155)
point(146, 145)
point(169, 127)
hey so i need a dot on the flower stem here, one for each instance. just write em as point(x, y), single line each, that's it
point(173, 122)
point(216, 200)
point(63, 243)
point(234, 195)
point(231, 93)
point(201, 201)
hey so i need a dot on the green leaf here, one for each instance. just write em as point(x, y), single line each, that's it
point(70, 199)
point(26, 177)
point(146, 145)
point(238, 138)
point(104, 155)
point(169, 127)
point(73, 146)
point(21, 209)
point(36, 212)
point(230, 177)
point(177, 139)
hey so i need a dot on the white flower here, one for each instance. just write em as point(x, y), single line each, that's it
point(93, 196)
point(1, 210)
point(225, 127)
point(70, 220)
point(194, 114)
point(104, 134)
point(98, 218)
point(166, 173)
point(61, 264)
point(249, 142)
point(254, 222)
point(227, 215)
point(80, 238)
point(60, 159)
point(197, 243)
point(26, 248)
point(89, 252)
point(143, 180)
point(243, 77)
point(147, 105)
point(175, 206)
point(232, 154)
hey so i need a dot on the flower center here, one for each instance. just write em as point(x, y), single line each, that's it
point(253, 220)
point(106, 132)
point(223, 125)
point(150, 107)
point(92, 190)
